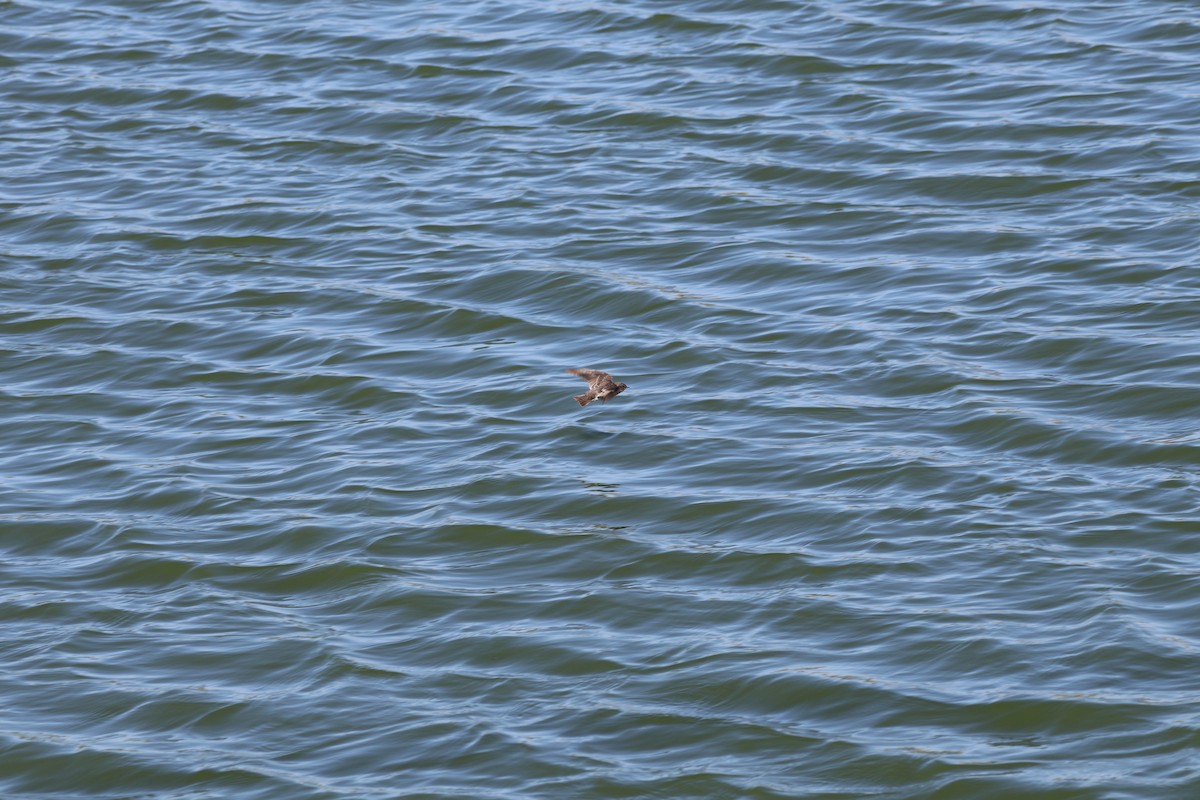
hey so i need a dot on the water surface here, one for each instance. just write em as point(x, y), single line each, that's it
point(902, 499)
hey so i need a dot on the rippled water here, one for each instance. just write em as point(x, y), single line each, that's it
point(901, 501)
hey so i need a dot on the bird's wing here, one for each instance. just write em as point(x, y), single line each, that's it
point(589, 375)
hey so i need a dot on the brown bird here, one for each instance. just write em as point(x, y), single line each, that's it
point(601, 386)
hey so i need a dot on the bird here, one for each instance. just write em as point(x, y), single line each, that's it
point(601, 386)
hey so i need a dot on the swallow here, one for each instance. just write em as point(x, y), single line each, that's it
point(601, 386)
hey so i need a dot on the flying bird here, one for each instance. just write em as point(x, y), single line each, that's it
point(601, 386)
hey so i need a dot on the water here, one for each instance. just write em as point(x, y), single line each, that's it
point(901, 501)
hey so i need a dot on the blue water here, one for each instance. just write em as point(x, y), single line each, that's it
point(901, 501)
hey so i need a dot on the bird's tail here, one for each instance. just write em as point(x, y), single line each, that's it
point(582, 399)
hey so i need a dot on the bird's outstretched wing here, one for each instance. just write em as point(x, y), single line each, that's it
point(589, 375)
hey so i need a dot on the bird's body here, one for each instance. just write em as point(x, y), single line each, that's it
point(601, 386)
